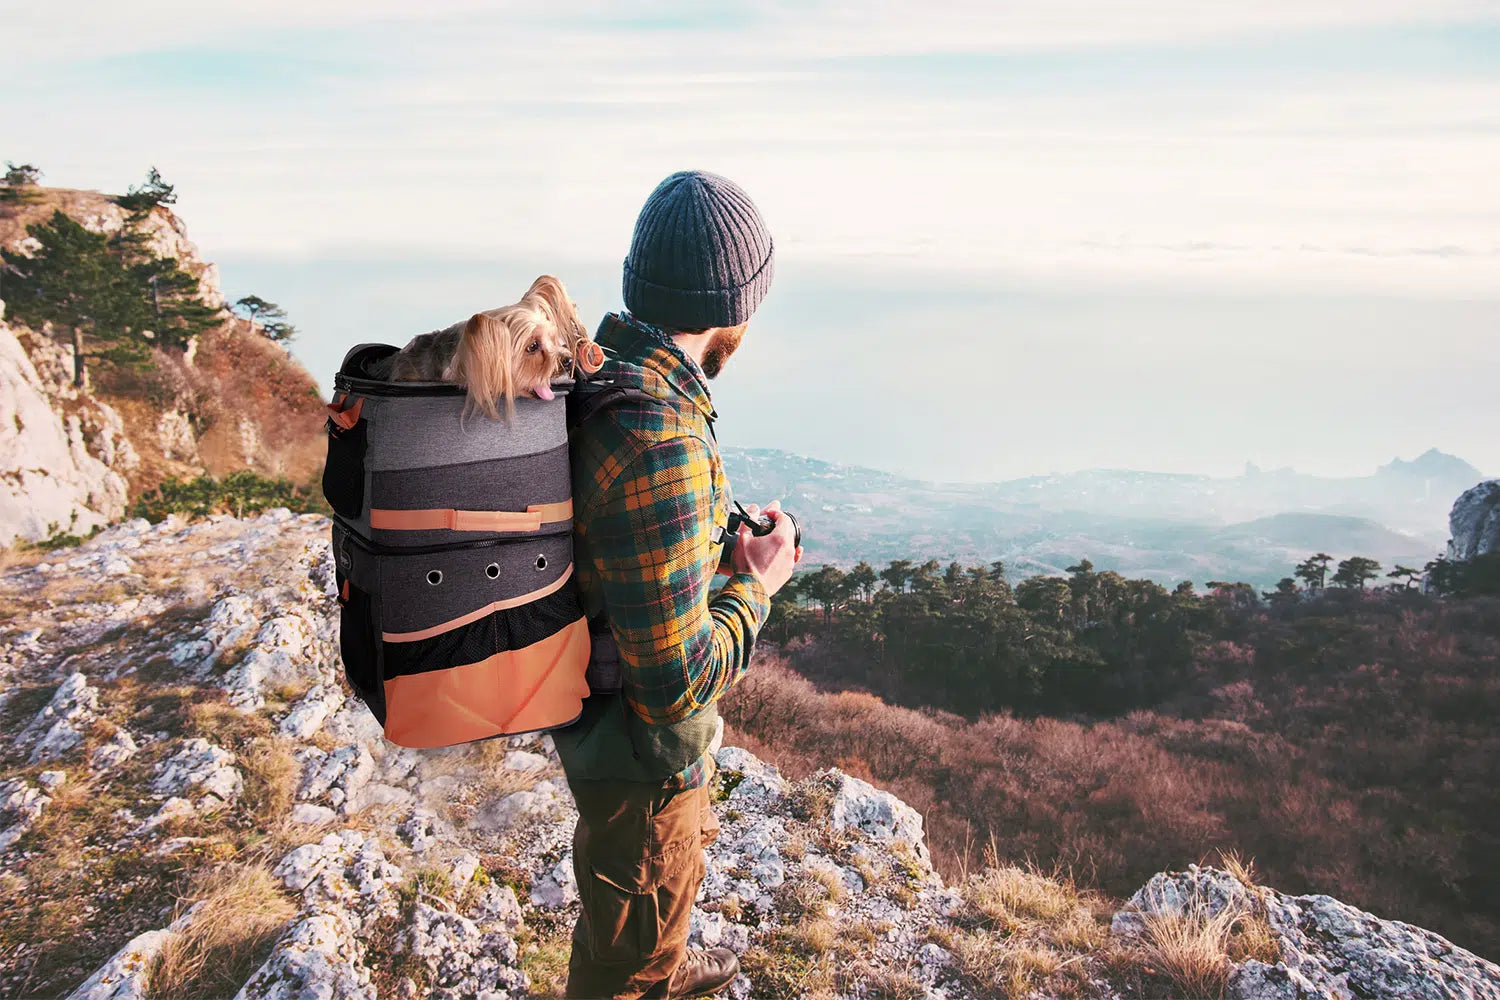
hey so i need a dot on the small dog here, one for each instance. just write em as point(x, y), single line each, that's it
point(500, 353)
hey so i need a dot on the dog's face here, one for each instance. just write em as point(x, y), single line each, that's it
point(518, 349)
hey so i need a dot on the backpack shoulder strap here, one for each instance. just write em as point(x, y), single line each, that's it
point(593, 397)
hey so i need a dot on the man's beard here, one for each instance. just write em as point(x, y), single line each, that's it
point(720, 347)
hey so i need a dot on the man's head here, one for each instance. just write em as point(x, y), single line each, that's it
point(701, 261)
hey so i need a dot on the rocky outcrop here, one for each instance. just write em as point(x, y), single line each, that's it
point(443, 872)
point(72, 457)
point(52, 479)
point(1474, 522)
point(1329, 950)
point(166, 235)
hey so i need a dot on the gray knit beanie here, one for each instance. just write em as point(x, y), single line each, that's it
point(701, 255)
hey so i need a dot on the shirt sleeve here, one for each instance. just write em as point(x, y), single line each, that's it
point(680, 647)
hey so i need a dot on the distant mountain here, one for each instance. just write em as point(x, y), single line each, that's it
point(1166, 527)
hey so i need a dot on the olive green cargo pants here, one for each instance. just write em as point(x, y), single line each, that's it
point(638, 857)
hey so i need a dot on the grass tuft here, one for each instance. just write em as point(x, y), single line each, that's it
point(241, 911)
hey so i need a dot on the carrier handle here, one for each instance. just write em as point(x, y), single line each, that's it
point(345, 416)
point(439, 519)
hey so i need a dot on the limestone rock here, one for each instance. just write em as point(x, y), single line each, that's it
point(200, 767)
point(49, 480)
point(309, 714)
point(126, 975)
point(1474, 522)
point(20, 805)
point(119, 748)
point(875, 812)
point(59, 726)
point(1329, 950)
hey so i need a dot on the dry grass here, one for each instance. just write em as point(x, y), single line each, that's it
point(1024, 930)
point(544, 958)
point(1191, 947)
point(241, 911)
point(271, 775)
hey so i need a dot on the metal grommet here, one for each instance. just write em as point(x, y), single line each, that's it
point(541, 562)
point(492, 571)
point(435, 576)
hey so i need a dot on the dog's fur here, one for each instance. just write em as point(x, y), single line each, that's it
point(500, 353)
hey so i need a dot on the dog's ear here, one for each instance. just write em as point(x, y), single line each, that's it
point(560, 308)
point(485, 363)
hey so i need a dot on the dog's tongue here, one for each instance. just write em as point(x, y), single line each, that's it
point(543, 392)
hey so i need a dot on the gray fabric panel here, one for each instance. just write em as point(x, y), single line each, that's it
point(413, 432)
point(498, 484)
point(409, 603)
point(493, 484)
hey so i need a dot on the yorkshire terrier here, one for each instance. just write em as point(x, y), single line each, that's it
point(502, 353)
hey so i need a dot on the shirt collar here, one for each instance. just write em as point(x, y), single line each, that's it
point(635, 341)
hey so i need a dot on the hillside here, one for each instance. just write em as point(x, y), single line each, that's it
point(1160, 527)
point(72, 459)
point(192, 805)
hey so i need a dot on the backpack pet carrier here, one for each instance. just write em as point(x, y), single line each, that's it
point(452, 542)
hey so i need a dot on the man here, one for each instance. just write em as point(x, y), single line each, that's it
point(648, 492)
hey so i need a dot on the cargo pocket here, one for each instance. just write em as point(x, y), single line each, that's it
point(344, 472)
point(359, 646)
point(642, 876)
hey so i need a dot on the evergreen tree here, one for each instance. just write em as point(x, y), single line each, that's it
point(1355, 572)
point(1285, 592)
point(86, 292)
point(1314, 570)
point(1413, 576)
point(19, 183)
point(150, 194)
point(269, 316)
point(862, 577)
point(897, 574)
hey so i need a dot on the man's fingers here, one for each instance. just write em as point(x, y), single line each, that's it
point(797, 556)
point(774, 505)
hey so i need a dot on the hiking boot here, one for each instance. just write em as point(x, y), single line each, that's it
point(703, 971)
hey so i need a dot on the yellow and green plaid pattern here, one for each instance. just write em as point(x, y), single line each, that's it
point(648, 488)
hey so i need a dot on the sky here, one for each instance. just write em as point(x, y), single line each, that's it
point(1011, 239)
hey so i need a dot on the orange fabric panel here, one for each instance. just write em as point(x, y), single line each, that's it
point(345, 418)
point(437, 519)
point(478, 613)
point(535, 687)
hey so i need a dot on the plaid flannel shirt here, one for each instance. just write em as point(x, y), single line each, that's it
point(648, 488)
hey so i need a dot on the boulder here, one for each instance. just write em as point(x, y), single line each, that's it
point(1474, 522)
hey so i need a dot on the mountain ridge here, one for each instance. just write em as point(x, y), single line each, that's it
point(1166, 526)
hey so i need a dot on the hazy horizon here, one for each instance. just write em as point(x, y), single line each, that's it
point(1170, 237)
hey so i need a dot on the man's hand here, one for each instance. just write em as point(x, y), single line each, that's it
point(770, 557)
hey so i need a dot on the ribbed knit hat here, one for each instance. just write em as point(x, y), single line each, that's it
point(701, 255)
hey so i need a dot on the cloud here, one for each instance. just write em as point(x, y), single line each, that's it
point(460, 129)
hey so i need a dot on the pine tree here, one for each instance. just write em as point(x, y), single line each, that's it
point(1314, 570)
point(150, 194)
point(862, 577)
point(1355, 571)
point(269, 316)
point(1412, 576)
point(19, 183)
point(74, 282)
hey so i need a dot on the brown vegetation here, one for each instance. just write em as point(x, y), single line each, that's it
point(1350, 747)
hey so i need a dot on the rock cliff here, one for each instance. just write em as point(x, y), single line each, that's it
point(73, 458)
point(1475, 522)
point(173, 710)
